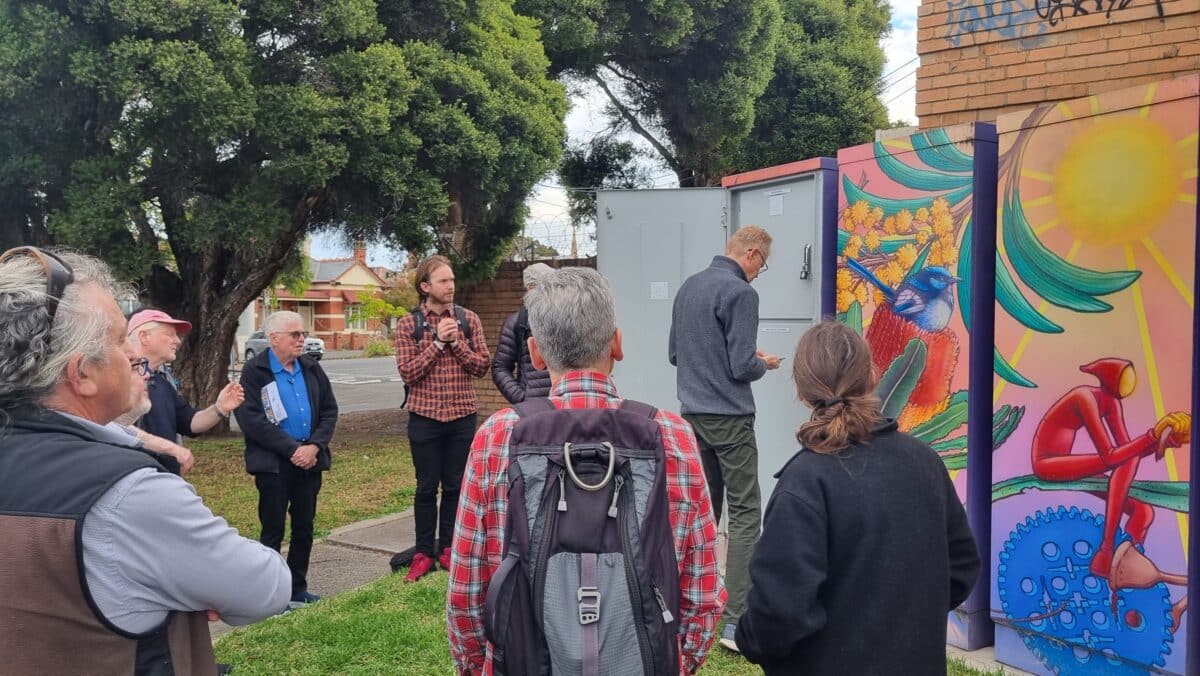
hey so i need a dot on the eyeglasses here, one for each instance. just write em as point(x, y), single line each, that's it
point(141, 367)
point(58, 274)
point(764, 260)
point(294, 335)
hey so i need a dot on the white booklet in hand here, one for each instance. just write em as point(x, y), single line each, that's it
point(273, 404)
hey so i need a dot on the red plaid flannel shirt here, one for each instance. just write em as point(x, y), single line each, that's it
point(441, 382)
point(479, 535)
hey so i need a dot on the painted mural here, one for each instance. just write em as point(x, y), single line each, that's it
point(904, 280)
point(1096, 238)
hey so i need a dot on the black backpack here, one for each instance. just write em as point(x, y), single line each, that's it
point(419, 326)
point(589, 583)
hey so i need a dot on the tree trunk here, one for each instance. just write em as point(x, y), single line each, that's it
point(211, 290)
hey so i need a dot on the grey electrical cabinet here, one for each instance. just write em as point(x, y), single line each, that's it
point(647, 243)
point(650, 241)
point(796, 203)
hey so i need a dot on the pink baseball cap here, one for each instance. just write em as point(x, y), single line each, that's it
point(147, 316)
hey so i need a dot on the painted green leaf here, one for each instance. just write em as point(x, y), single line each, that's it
point(1005, 422)
point(1005, 370)
point(897, 383)
point(1172, 495)
point(891, 206)
point(952, 444)
point(1062, 283)
point(1014, 303)
point(854, 317)
point(935, 149)
point(954, 461)
point(945, 422)
point(917, 179)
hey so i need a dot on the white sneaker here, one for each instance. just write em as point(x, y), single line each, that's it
point(727, 637)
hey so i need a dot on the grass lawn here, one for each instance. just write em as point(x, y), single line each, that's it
point(372, 475)
point(386, 627)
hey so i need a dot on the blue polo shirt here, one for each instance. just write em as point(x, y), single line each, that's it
point(294, 396)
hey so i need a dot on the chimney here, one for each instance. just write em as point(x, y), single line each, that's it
point(360, 251)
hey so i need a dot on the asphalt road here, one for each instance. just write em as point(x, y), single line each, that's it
point(365, 384)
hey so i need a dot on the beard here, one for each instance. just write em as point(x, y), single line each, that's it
point(141, 408)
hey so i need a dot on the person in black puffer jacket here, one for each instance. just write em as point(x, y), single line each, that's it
point(512, 370)
point(865, 545)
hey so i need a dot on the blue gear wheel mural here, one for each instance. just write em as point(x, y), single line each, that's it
point(1064, 613)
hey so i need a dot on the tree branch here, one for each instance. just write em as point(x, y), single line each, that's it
point(637, 127)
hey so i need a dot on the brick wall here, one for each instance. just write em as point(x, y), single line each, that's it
point(494, 301)
point(981, 58)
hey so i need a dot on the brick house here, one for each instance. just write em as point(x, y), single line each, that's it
point(331, 304)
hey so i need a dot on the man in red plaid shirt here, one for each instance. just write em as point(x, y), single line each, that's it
point(572, 315)
point(438, 368)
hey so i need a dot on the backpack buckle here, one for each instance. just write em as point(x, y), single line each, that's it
point(589, 605)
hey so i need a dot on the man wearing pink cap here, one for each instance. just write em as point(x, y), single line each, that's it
point(154, 335)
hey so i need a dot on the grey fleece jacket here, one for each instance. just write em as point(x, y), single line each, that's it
point(714, 338)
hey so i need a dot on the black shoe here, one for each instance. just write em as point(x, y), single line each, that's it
point(224, 669)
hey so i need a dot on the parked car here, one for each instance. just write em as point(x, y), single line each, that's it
point(257, 342)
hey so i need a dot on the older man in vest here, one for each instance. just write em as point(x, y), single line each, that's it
point(108, 563)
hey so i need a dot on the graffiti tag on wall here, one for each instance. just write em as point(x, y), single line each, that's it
point(1022, 19)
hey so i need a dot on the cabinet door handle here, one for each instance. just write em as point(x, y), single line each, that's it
point(806, 270)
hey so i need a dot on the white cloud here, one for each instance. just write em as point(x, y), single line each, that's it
point(900, 72)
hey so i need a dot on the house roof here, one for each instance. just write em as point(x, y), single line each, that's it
point(330, 269)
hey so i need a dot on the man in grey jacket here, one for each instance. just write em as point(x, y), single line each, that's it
point(108, 563)
point(713, 345)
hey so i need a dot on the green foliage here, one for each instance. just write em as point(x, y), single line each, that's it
point(232, 130)
point(371, 305)
point(823, 94)
point(601, 162)
point(379, 348)
point(525, 248)
point(718, 85)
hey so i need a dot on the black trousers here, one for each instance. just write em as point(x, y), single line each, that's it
point(439, 453)
point(291, 491)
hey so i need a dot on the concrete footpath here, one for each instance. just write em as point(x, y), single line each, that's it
point(353, 555)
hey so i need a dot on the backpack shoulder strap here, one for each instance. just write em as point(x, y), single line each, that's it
point(521, 330)
point(418, 323)
point(461, 316)
point(640, 408)
point(532, 406)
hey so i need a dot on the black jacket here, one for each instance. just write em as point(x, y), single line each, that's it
point(169, 414)
point(512, 354)
point(267, 444)
point(863, 553)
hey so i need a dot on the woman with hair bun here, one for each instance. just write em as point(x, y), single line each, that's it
point(865, 546)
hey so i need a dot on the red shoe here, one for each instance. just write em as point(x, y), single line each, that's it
point(444, 559)
point(422, 565)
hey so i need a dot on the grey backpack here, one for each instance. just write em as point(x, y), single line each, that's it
point(589, 583)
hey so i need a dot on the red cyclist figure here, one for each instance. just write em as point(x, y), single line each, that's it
point(1097, 410)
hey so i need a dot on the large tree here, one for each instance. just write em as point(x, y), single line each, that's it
point(194, 143)
point(716, 86)
point(824, 94)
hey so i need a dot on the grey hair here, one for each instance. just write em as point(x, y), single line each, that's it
point(279, 318)
point(33, 354)
point(573, 317)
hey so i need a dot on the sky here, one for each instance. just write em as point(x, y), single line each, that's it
point(548, 221)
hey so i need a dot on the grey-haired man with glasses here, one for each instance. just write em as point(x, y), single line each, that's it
point(108, 563)
point(288, 420)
